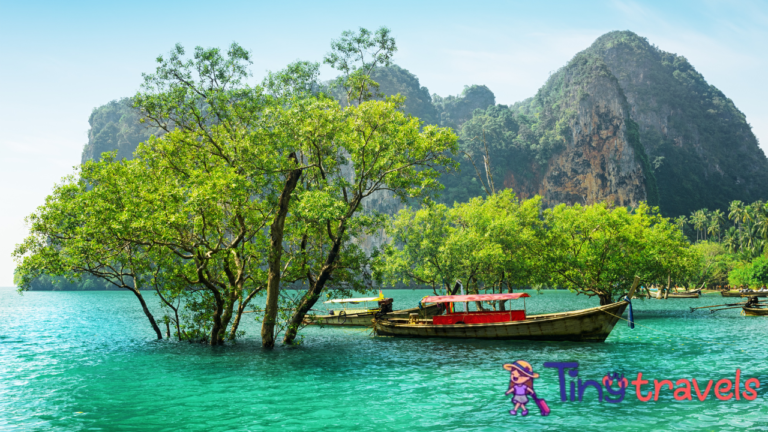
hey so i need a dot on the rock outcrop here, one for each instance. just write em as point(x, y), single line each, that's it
point(626, 122)
point(705, 152)
point(597, 163)
point(623, 121)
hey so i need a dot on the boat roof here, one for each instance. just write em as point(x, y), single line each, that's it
point(354, 300)
point(473, 297)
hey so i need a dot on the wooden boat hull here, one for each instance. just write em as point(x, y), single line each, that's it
point(739, 294)
point(588, 325)
point(755, 311)
point(364, 319)
point(683, 295)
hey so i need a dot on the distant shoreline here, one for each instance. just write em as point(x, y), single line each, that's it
point(294, 289)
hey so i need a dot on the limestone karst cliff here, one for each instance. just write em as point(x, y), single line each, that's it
point(571, 143)
point(622, 121)
point(705, 150)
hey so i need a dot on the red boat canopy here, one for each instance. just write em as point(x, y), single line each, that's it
point(473, 297)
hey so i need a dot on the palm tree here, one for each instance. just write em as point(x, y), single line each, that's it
point(750, 240)
point(681, 221)
point(731, 240)
point(699, 221)
point(736, 212)
point(761, 221)
point(717, 218)
point(714, 229)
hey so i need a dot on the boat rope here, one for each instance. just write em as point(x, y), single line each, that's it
point(672, 334)
point(631, 315)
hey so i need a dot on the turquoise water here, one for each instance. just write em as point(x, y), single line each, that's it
point(86, 361)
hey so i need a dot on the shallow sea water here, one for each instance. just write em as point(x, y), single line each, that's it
point(73, 361)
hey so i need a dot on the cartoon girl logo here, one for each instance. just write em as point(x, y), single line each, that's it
point(521, 378)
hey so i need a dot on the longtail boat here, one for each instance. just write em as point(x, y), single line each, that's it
point(751, 307)
point(754, 311)
point(357, 316)
point(691, 294)
point(587, 325)
point(744, 293)
point(678, 294)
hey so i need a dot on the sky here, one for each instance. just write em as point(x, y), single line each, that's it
point(60, 60)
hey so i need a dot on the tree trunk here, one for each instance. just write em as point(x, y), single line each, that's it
point(307, 302)
point(313, 293)
point(217, 328)
point(240, 309)
point(178, 324)
point(151, 318)
point(456, 287)
point(274, 260)
point(235, 325)
point(605, 299)
point(225, 318)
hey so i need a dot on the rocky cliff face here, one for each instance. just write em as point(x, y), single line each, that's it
point(626, 122)
point(115, 127)
point(597, 162)
point(623, 121)
point(571, 143)
point(704, 150)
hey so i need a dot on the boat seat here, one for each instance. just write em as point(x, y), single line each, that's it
point(479, 317)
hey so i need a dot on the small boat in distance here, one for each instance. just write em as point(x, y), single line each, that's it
point(587, 325)
point(358, 312)
point(685, 294)
point(665, 294)
point(744, 293)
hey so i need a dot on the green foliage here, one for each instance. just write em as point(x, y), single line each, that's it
point(754, 274)
point(714, 266)
point(394, 80)
point(728, 242)
point(698, 152)
point(69, 282)
point(356, 55)
point(455, 110)
point(487, 243)
point(593, 250)
point(195, 213)
point(598, 250)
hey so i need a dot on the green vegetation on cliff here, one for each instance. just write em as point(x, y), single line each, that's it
point(418, 102)
point(706, 152)
point(692, 146)
point(115, 127)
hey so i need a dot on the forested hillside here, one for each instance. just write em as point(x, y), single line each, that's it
point(703, 149)
point(115, 126)
point(622, 121)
